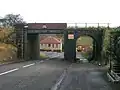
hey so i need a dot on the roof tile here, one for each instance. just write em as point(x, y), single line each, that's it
point(50, 40)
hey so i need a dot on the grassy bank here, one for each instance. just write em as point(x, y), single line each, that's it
point(7, 52)
point(85, 54)
point(43, 56)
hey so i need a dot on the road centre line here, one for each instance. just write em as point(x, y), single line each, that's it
point(9, 71)
point(6, 72)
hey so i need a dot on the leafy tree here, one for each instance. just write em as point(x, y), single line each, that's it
point(11, 19)
point(106, 41)
point(8, 32)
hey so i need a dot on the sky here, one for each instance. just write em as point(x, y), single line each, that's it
point(64, 11)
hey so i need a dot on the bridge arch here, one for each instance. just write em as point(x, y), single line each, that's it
point(93, 42)
point(96, 34)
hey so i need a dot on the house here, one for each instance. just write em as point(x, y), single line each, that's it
point(51, 44)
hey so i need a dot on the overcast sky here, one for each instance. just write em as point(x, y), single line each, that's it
point(70, 11)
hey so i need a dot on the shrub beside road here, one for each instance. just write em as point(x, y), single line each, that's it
point(7, 53)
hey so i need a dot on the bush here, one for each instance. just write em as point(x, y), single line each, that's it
point(42, 55)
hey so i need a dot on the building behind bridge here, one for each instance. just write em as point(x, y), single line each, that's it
point(51, 43)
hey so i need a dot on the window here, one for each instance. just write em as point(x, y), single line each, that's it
point(48, 45)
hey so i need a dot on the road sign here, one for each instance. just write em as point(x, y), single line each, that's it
point(70, 36)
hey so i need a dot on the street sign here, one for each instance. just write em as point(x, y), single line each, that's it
point(70, 36)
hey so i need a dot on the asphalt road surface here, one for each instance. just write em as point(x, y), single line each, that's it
point(86, 77)
point(53, 54)
point(78, 55)
point(54, 74)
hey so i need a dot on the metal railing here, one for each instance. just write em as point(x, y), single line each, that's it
point(85, 25)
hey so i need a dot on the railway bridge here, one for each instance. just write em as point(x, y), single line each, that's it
point(27, 39)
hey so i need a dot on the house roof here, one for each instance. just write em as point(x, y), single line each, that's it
point(42, 38)
point(50, 40)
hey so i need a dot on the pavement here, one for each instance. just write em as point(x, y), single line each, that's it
point(54, 74)
point(86, 77)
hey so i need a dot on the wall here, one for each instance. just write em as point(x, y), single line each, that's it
point(33, 51)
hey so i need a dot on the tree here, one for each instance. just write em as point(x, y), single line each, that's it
point(106, 40)
point(11, 19)
point(8, 22)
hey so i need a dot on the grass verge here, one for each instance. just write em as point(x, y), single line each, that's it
point(43, 56)
point(85, 54)
point(7, 53)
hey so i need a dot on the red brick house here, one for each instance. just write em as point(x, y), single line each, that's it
point(51, 44)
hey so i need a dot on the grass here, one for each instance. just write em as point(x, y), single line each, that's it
point(4, 32)
point(84, 40)
point(7, 52)
point(85, 54)
point(43, 56)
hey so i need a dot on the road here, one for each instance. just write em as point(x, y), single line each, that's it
point(78, 55)
point(85, 77)
point(53, 54)
point(54, 74)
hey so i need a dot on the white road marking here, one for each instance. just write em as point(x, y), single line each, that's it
point(9, 71)
point(29, 65)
